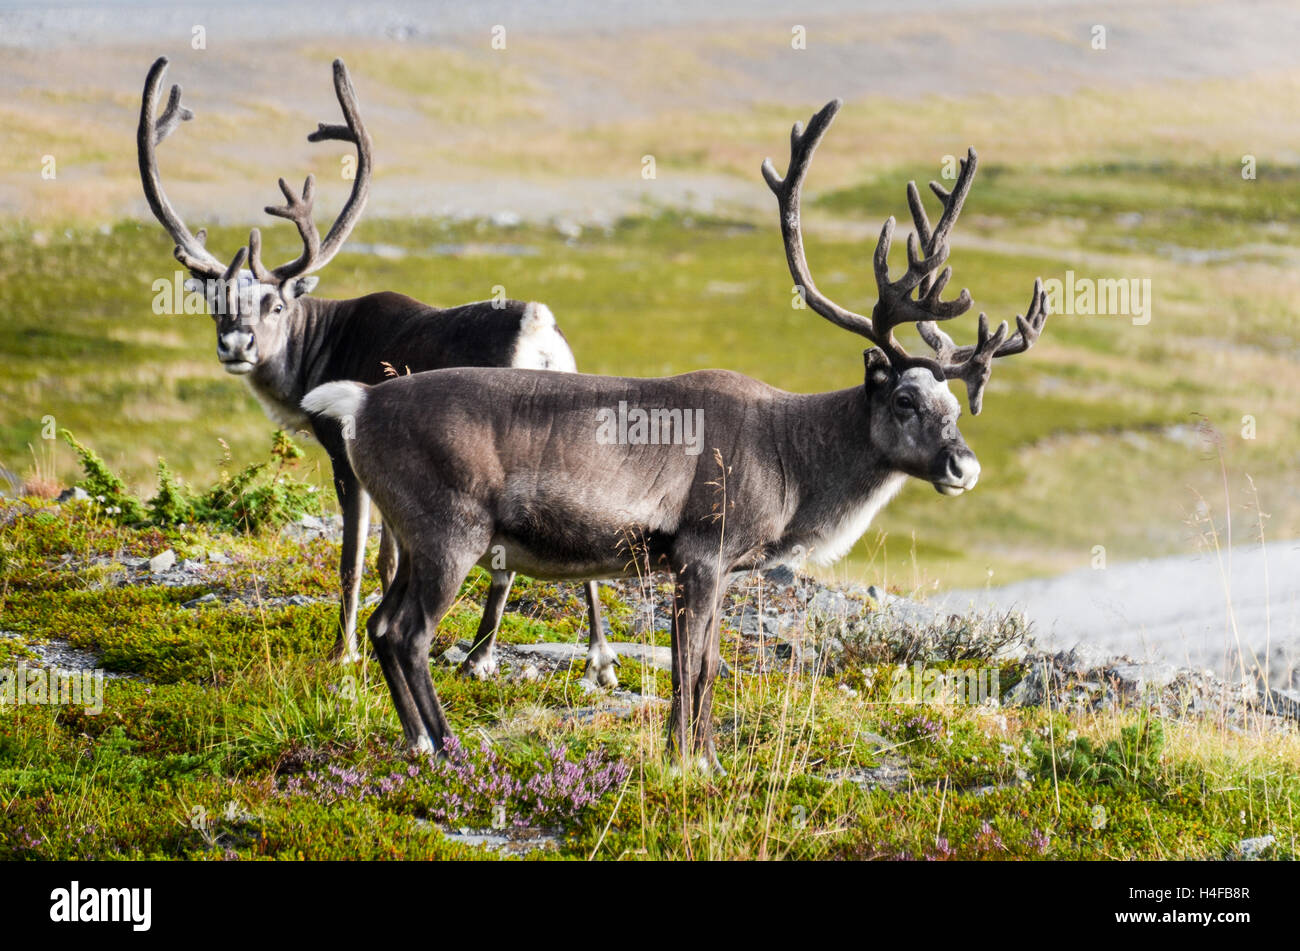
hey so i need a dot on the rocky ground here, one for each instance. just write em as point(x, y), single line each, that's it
point(221, 696)
point(789, 621)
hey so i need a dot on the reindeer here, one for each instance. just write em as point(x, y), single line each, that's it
point(284, 343)
point(511, 458)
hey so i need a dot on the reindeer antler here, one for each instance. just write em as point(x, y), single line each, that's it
point(927, 251)
point(895, 305)
point(974, 364)
point(190, 249)
point(316, 253)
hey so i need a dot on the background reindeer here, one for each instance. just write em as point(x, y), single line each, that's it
point(511, 458)
point(284, 343)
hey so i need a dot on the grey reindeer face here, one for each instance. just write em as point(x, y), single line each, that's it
point(914, 423)
point(253, 319)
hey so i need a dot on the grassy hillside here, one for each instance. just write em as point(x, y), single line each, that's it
point(1088, 440)
point(223, 734)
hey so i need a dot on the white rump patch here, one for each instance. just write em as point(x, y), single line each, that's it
point(335, 400)
point(540, 345)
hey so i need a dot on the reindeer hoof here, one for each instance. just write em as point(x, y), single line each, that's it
point(704, 764)
point(479, 668)
point(424, 746)
point(344, 653)
point(601, 669)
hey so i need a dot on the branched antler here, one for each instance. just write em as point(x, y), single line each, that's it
point(927, 252)
point(895, 305)
point(298, 209)
point(316, 253)
point(974, 364)
point(151, 131)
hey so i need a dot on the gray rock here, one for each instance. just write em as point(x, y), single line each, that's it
point(530, 672)
point(752, 624)
point(780, 575)
point(162, 562)
point(889, 775)
point(619, 703)
point(309, 523)
point(550, 651)
point(455, 655)
point(797, 648)
point(207, 600)
point(220, 558)
point(192, 565)
point(829, 603)
point(1285, 703)
point(1082, 659)
point(299, 600)
point(74, 494)
point(1143, 677)
point(895, 611)
point(1254, 848)
point(646, 621)
point(1027, 692)
point(651, 655)
point(312, 526)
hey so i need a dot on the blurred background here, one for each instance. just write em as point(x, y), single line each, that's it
point(603, 157)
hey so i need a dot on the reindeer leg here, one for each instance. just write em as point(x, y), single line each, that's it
point(482, 660)
point(382, 628)
point(387, 557)
point(601, 659)
point(690, 726)
point(707, 668)
point(355, 503)
point(436, 576)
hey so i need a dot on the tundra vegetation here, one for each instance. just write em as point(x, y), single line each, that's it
point(226, 734)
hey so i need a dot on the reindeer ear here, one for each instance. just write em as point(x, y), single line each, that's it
point(302, 286)
point(880, 372)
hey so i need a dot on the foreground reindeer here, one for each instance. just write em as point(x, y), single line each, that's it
point(285, 343)
point(466, 459)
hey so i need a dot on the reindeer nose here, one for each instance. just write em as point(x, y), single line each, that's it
point(962, 468)
point(236, 345)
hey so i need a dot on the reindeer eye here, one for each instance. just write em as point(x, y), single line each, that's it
point(905, 402)
point(277, 308)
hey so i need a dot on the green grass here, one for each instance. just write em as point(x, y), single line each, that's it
point(672, 293)
point(236, 743)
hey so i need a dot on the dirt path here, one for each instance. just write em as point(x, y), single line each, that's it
point(1191, 610)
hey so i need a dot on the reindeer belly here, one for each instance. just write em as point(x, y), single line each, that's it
point(569, 538)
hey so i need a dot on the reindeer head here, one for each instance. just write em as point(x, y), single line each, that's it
point(255, 307)
point(913, 413)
